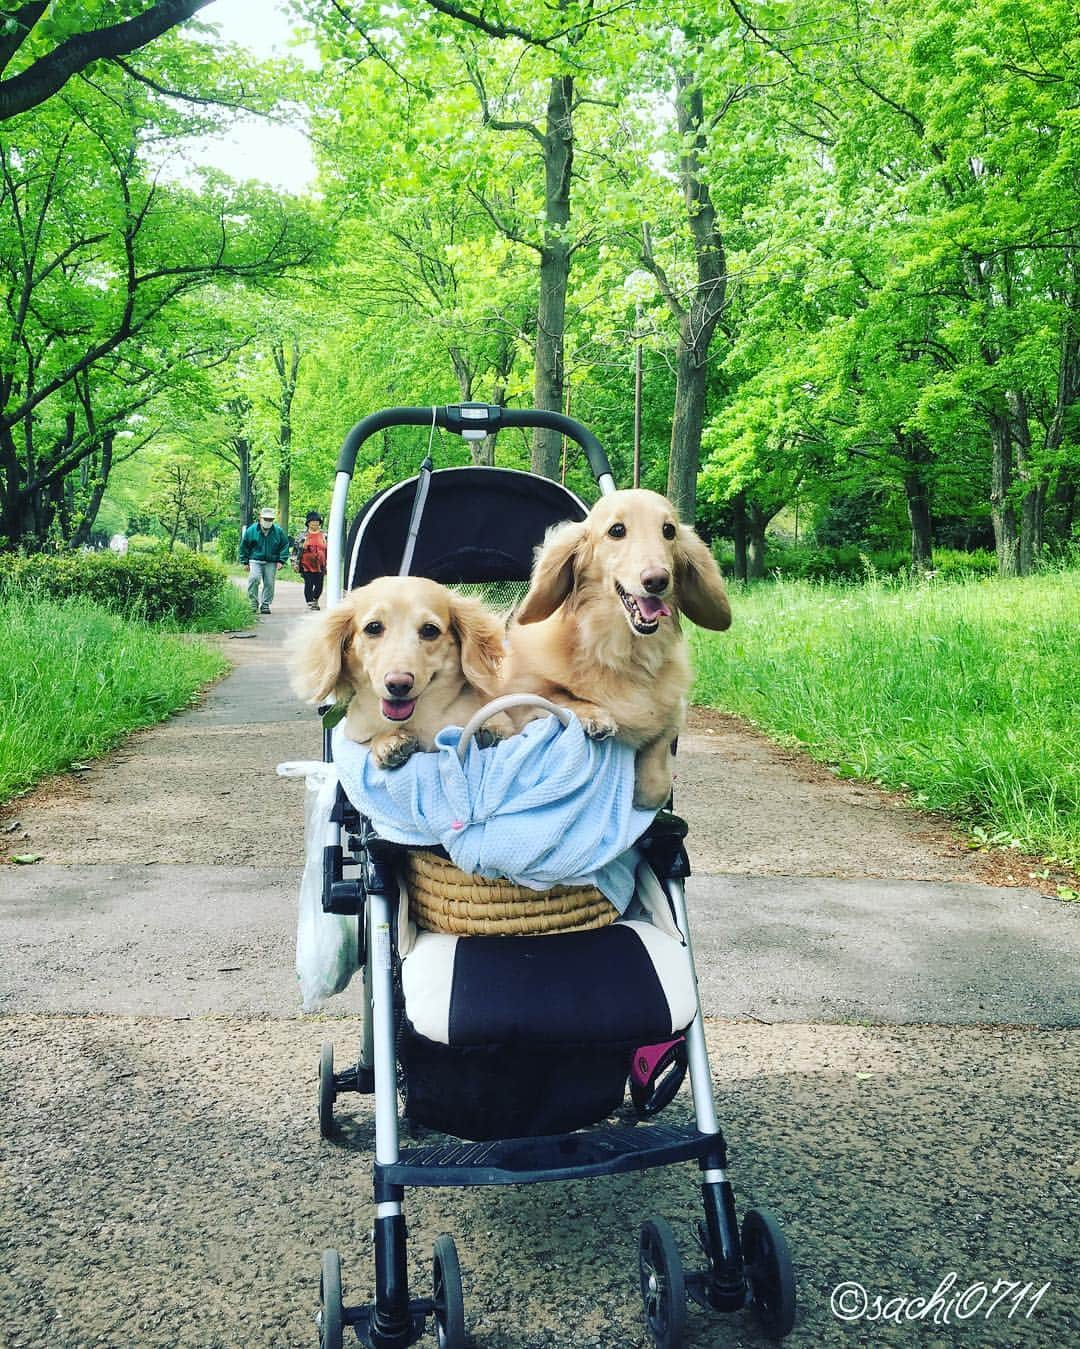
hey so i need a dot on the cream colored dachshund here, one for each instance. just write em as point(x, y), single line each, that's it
point(599, 630)
point(410, 655)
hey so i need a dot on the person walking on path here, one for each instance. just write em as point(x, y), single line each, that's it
point(311, 558)
point(264, 547)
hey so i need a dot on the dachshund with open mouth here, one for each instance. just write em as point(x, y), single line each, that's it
point(410, 656)
point(600, 629)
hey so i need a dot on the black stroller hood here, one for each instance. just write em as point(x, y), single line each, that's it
point(479, 525)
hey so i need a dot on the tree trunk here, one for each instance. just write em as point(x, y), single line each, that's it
point(1030, 522)
point(1061, 510)
point(1002, 512)
point(482, 452)
point(687, 424)
point(97, 491)
point(756, 523)
point(738, 534)
point(697, 316)
point(916, 454)
point(554, 271)
point(288, 366)
point(922, 530)
point(245, 503)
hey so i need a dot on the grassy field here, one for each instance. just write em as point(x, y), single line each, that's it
point(965, 693)
point(74, 680)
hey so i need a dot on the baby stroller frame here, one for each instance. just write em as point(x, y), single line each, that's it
point(747, 1268)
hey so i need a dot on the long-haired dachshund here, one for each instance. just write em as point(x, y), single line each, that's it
point(599, 630)
point(409, 654)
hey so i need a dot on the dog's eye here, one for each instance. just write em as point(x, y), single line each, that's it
point(429, 632)
point(669, 530)
point(374, 628)
point(617, 531)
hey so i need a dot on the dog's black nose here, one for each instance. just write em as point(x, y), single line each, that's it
point(655, 581)
point(398, 684)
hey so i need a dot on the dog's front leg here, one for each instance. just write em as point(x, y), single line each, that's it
point(653, 772)
point(393, 749)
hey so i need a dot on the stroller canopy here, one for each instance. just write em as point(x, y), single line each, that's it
point(479, 524)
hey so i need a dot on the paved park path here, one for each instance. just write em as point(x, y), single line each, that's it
point(893, 1044)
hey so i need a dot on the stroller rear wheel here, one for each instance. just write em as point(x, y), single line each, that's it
point(331, 1308)
point(769, 1272)
point(448, 1299)
point(663, 1285)
point(327, 1092)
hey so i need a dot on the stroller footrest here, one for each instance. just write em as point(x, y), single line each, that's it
point(604, 1151)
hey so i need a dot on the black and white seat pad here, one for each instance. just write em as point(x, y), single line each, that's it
point(628, 983)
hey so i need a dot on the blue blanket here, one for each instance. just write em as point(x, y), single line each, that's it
point(546, 807)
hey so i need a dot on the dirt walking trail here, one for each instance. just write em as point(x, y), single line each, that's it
point(893, 1043)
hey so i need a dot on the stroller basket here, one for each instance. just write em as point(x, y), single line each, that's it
point(443, 898)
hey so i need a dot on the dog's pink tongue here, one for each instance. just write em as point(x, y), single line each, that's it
point(398, 711)
point(651, 607)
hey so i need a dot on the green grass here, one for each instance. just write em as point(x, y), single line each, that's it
point(75, 679)
point(227, 611)
point(967, 694)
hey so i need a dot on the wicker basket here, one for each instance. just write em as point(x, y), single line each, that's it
point(444, 899)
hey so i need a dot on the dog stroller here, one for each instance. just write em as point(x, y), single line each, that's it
point(516, 1049)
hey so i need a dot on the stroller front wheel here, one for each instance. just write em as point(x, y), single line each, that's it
point(327, 1093)
point(663, 1285)
point(769, 1272)
point(448, 1299)
point(331, 1308)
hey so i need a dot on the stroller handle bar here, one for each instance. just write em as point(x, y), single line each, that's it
point(474, 421)
point(497, 705)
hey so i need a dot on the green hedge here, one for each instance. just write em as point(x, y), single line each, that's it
point(852, 563)
point(159, 586)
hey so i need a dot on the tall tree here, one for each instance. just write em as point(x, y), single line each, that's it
point(105, 270)
point(59, 46)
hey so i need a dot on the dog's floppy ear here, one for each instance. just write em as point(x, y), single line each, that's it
point(316, 654)
point(481, 635)
point(553, 572)
point(699, 587)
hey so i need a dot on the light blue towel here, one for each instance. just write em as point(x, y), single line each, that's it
point(546, 807)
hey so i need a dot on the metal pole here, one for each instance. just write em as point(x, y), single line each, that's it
point(637, 393)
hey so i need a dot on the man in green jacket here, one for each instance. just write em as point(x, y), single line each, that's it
point(264, 547)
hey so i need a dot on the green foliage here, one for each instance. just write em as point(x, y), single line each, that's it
point(963, 694)
point(849, 562)
point(228, 543)
point(146, 543)
point(181, 588)
point(74, 680)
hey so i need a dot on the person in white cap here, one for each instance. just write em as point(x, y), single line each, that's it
point(264, 547)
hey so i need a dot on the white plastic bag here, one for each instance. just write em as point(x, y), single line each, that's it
point(326, 943)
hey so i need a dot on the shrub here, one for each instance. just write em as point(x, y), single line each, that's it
point(145, 543)
point(228, 543)
point(852, 562)
point(157, 586)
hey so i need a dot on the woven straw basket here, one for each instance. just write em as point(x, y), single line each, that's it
point(444, 899)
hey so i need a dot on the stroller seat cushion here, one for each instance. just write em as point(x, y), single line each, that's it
point(626, 983)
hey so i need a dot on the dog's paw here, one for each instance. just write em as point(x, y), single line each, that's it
point(598, 726)
point(497, 729)
point(392, 751)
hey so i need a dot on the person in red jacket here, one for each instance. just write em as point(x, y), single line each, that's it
point(311, 558)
